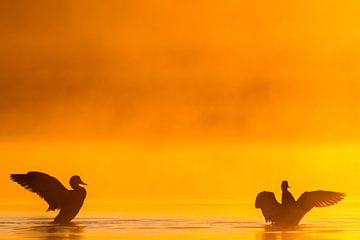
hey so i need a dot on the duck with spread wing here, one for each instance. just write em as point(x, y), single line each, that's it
point(69, 202)
point(290, 212)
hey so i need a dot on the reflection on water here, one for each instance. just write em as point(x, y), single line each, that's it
point(41, 229)
point(184, 222)
point(282, 236)
point(168, 228)
point(299, 233)
point(320, 230)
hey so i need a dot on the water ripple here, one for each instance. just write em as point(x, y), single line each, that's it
point(223, 228)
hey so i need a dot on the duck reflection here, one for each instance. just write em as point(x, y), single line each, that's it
point(282, 236)
point(51, 231)
point(295, 233)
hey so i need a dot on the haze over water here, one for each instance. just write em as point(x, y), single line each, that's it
point(194, 102)
point(182, 219)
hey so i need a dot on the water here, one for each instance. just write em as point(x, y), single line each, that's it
point(185, 221)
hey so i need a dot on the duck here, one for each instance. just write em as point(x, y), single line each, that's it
point(290, 212)
point(58, 197)
point(287, 198)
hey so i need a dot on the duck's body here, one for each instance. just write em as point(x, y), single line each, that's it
point(290, 213)
point(69, 202)
point(71, 206)
point(287, 199)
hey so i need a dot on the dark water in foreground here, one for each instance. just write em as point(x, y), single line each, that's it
point(190, 222)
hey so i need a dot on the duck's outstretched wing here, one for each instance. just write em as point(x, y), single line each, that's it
point(44, 185)
point(269, 206)
point(308, 200)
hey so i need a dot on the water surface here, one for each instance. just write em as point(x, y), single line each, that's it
point(183, 221)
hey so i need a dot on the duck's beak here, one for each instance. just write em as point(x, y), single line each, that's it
point(81, 182)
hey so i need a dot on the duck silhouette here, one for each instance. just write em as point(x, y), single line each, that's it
point(287, 199)
point(290, 212)
point(69, 202)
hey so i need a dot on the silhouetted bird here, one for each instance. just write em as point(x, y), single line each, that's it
point(54, 193)
point(287, 198)
point(289, 213)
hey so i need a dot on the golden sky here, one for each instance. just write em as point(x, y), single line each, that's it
point(181, 98)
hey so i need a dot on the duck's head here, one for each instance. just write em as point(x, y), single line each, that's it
point(75, 181)
point(284, 185)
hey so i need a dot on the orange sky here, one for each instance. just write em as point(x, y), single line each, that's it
point(183, 98)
